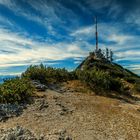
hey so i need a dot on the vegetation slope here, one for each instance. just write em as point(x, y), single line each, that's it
point(103, 78)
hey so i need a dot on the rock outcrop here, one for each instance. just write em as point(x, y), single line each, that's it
point(10, 110)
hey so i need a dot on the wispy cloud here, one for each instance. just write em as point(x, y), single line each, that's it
point(122, 43)
point(27, 51)
point(65, 29)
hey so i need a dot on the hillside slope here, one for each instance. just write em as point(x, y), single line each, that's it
point(113, 69)
point(102, 76)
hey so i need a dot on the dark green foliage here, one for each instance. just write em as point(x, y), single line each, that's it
point(131, 79)
point(106, 76)
point(113, 69)
point(137, 87)
point(100, 80)
point(132, 74)
point(47, 74)
point(72, 75)
point(100, 76)
point(36, 73)
point(15, 90)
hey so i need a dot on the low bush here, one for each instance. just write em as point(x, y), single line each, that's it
point(48, 74)
point(100, 80)
point(137, 87)
point(15, 90)
point(36, 73)
point(131, 79)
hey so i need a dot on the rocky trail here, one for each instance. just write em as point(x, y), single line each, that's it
point(72, 115)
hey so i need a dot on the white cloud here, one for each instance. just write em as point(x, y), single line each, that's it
point(133, 17)
point(77, 62)
point(35, 52)
point(25, 51)
point(134, 67)
point(5, 21)
point(125, 46)
point(98, 4)
point(5, 2)
point(104, 31)
point(42, 20)
point(120, 39)
point(83, 31)
point(131, 53)
point(47, 14)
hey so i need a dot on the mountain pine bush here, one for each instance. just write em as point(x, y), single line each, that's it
point(99, 80)
point(15, 90)
point(48, 74)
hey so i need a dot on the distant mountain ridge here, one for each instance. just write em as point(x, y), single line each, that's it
point(3, 77)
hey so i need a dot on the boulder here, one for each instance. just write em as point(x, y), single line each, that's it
point(39, 86)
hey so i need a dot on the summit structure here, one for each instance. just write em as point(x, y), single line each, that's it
point(96, 33)
point(98, 53)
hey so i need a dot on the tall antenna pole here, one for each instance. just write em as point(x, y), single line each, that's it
point(96, 33)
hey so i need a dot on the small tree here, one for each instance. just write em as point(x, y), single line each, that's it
point(107, 54)
point(111, 55)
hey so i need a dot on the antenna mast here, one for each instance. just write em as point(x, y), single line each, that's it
point(96, 33)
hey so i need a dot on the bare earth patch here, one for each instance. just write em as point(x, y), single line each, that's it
point(78, 116)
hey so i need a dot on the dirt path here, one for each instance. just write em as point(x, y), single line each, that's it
point(80, 116)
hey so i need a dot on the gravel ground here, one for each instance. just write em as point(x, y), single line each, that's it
point(76, 116)
point(18, 133)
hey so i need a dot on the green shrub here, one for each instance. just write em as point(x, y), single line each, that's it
point(48, 74)
point(116, 74)
point(131, 79)
point(36, 73)
point(132, 74)
point(99, 80)
point(137, 87)
point(116, 85)
point(15, 90)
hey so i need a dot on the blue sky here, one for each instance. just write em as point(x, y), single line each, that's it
point(60, 33)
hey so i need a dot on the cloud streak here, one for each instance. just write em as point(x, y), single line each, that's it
point(38, 31)
point(19, 50)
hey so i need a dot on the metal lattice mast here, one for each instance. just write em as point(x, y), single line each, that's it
point(96, 33)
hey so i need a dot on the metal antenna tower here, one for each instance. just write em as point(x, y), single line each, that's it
point(96, 33)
